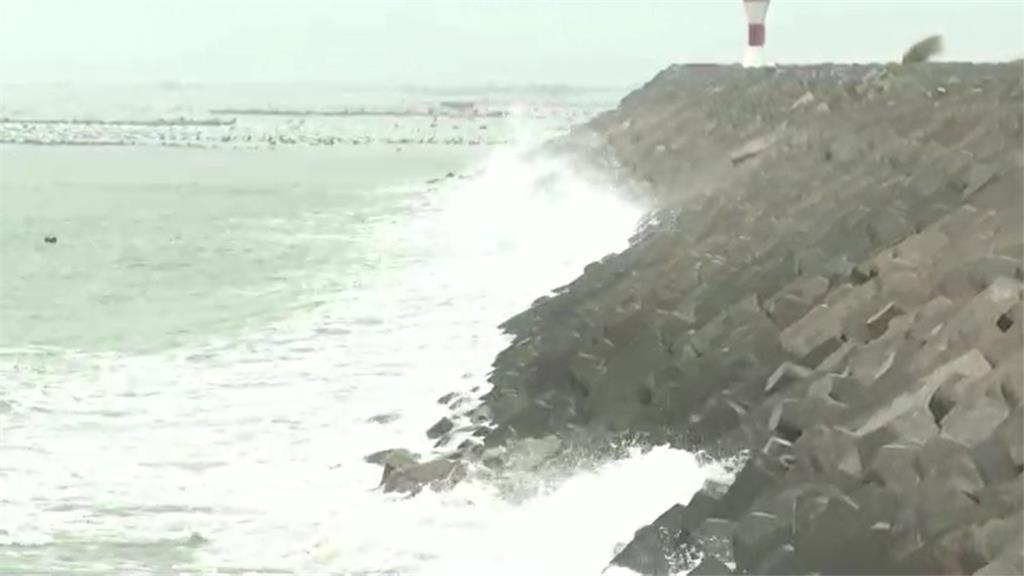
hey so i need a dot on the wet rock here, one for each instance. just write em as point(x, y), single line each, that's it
point(784, 375)
point(470, 448)
point(780, 451)
point(586, 368)
point(395, 457)
point(655, 548)
point(383, 418)
point(531, 453)
point(440, 428)
point(710, 566)
point(782, 560)
point(718, 416)
point(756, 476)
point(757, 535)
point(438, 474)
point(792, 416)
point(713, 538)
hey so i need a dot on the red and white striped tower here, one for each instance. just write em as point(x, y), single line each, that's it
point(756, 12)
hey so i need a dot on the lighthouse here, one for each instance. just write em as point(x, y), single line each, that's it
point(756, 11)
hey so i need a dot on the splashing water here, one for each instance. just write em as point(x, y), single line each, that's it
point(246, 454)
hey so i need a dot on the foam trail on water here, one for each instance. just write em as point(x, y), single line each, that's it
point(576, 527)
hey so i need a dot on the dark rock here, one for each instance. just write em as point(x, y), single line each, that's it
point(842, 389)
point(383, 418)
point(832, 453)
point(784, 375)
point(440, 428)
point(951, 461)
point(822, 328)
point(710, 566)
point(998, 536)
point(782, 560)
point(396, 457)
point(894, 466)
point(531, 453)
point(718, 416)
point(1000, 568)
point(998, 458)
point(655, 547)
point(779, 450)
point(796, 300)
point(757, 535)
point(713, 538)
point(878, 323)
point(913, 400)
point(438, 474)
point(974, 326)
point(888, 227)
point(756, 476)
point(941, 505)
point(967, 279)
point(791, 417)
point(470, 448)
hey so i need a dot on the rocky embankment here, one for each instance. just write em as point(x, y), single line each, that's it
point(831, 284)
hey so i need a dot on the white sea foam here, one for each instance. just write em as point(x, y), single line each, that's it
point(257, 443)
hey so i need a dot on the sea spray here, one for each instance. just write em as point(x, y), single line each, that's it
point(255, 443)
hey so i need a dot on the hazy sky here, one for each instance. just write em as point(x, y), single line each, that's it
point(441, 42)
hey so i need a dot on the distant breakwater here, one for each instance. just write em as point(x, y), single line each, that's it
point(446, 112)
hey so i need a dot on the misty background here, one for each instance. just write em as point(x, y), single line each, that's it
point(449, 42)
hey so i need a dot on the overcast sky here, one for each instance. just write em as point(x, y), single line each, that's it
point(445, 42)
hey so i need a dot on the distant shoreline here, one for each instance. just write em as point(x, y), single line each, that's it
point(123, 122)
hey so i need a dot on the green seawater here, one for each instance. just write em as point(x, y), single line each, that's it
point(157, 247)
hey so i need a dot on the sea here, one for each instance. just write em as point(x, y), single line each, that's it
point(215, 301)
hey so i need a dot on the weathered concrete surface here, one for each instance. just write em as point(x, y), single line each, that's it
point(832, 280)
